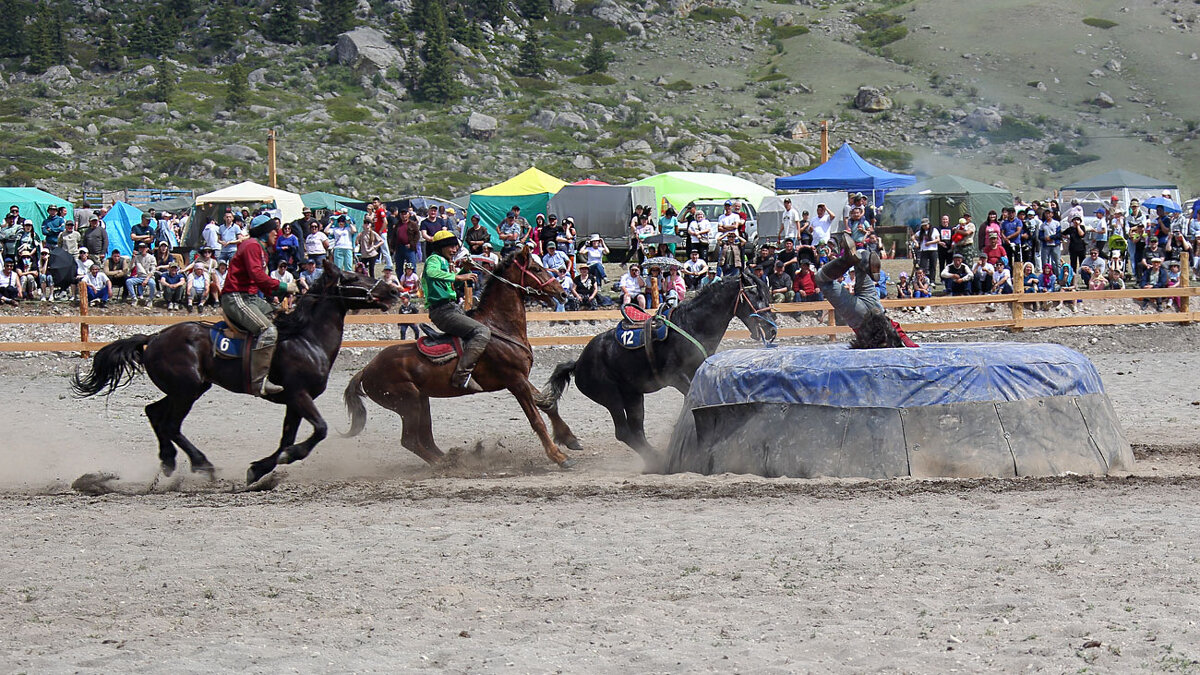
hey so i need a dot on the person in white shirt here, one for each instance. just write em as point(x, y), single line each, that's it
point(788, 226)
point(822, 225)
point(594, 253)
point(694, 270)
point(10, 284)
point(211, 234)
point(220, 274)
point(99, 286)
point(316, 244)
point(197, 287)
point(633, 287)
point(700, 232)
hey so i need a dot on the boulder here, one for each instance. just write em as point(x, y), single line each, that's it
point(367, 49)
point(796, 131)
point(1104, 100)
point(481, 126)
point(636, 146)
point(583, 162)
point(1113, 65)
point(984, 119)
point(543, 119)
point(570, 120)
point(257, 77)
point(157, 108)
point(240, 152)
point(785, 19)
point(871, 99)
point(58, 75)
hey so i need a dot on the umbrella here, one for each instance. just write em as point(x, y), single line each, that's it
point(661, 261)
point(656, 239)
point(1168, 205)
point(62, 268)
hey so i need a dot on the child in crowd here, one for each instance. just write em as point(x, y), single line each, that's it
point(406, 307)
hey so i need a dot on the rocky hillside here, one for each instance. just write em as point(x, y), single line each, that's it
point(1029, 94)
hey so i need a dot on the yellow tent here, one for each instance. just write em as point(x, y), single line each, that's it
point(530, 190)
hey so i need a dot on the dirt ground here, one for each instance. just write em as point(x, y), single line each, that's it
point(364, 560)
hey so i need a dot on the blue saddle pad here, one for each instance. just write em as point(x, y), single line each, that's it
point(223, 345)
point(634, 338)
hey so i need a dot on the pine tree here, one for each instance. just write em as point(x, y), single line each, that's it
point(420, 17)
point(181, 9)
point(436, 83)
point(164, 81)
point(223, 26)
point(140, 35)
point(235, 87)
point(534, 10)
point(491, 11)
point(529, 60)
point(14, 15)
point(108, 48)
point(283, 23)
point(402, 35)
point(44, 48)
point(597, 58)
point(337, 16)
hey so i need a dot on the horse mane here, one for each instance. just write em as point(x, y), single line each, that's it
point(290, 324)
point(500, 271)
point(704, 295)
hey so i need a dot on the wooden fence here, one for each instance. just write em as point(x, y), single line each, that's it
point(1016, 321)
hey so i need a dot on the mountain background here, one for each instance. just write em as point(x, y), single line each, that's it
point(394, 97)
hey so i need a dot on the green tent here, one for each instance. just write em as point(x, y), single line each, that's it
point(356, 208)
point(944, 195)
point(530, 190)
point(681, 187)
point(34, 204)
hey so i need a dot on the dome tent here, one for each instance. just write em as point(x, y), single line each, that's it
point(944, 195)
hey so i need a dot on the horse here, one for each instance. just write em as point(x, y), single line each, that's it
point(402, 380)
point(619, 378)
point(180, 362)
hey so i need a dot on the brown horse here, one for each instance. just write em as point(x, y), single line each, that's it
point(402, 380)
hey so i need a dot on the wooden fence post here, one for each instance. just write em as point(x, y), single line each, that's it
point(1185, 261)
point(84, 328)
point(469, 297)
point(653, 300)
point(1018, 309)
point(832, 320)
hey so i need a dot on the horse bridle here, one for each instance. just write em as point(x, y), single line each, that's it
point(754, 311)
point(525, 272)
point(367, 294)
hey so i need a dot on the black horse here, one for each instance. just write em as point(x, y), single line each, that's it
point(180, 362)
point(619, 378)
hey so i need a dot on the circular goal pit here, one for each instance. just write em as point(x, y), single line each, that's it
point(953, 410)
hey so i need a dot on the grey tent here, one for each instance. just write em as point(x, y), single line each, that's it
point(600, 209)
point(1125, 185)
point(770, 212)
point(944, 195)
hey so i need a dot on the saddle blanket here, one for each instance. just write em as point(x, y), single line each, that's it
point(441, 349)
point(228, 342)
point(631, 331)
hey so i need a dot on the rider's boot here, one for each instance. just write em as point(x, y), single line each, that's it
point(473, 349)
point(260, 364)
point(835, 269)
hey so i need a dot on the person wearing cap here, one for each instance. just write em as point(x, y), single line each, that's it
point(694, 270)
point(341, 231)
point(633, 287)
point(370, 244)
point(140, 284)
point(247, 277)
point(197, 286)
point(54, 225)
point(789, 225)
point(11, 230)
point(1050, 237)
point(957, 276)
point(445, 313)
point(430, 226)
point(554, 258)
point(95, 237)
point(594, 253)
point(406, 306)
point(173, 284)
point(511, 234)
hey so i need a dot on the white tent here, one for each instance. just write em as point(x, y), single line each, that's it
point(289, 204)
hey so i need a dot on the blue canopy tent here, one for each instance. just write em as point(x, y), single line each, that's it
point(846, 170)
point(119, 220)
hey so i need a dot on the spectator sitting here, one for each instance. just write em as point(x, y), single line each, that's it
point(409, 281)
point(804, 284)
point(588, 289)
point(197, 287)
point(633, 287)
point(10, 284)
point(140, 283)
point(1092, 266)
point(1115, 280)
point(283, 276)
point(99, 286)
point(173, 286)
point(45, 279)
point(710, 278)
point(1001, 281)
point(981, 276)
point(594, 253)
point(571, 303)
point(957, 276)
point(1155, 277)
point(309, 275)
point(1048, 281)
point(219, 277)
point(904, 289)
point(27, 270)
point(881, 285)
point(554, 258)
point(1032, 284)
point(694, 270)
point(922, 288)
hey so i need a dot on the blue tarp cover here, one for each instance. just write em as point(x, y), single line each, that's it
point(845, 170)
point(932, 374)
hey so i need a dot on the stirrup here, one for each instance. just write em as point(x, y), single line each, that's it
point(465, 381)
point(269, 388)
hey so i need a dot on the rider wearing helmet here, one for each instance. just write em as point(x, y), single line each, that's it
point(240, 301)
point(437, 282)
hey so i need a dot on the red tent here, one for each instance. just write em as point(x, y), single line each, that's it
point(589, 181)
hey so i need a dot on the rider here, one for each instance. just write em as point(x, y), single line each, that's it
point(437, 282)
point(860, 309)
point(240, 301)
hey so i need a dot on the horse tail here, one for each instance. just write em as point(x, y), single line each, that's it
point(113, 366)
point(353, 398)
point(559, 380)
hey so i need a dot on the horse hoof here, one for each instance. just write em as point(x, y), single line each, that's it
point(575, 445)
point(168, 469)
point(208, 470)
point(567, 463)
point(254, 474)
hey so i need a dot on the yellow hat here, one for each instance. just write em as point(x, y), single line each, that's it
point(444, 238)
point(962, 221)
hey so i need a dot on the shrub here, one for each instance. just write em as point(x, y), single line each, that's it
point(1100, 23)
point(680, 86)
point(710, 13)
point(1012, 129)
point(595, 79)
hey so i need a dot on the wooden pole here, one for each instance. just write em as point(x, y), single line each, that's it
point(832, 321)
point(653, 293)
point(469, 297)
point(824, 141)
point(1185, 272)
point(1018, 309)
point(271, 177)
point(84, 329)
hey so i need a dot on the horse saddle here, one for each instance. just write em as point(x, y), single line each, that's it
point(439, 348)
point(637, 323)
point(228, 342)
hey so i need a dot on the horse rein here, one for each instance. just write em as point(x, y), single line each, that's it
point(754, 311)
point(525, 272)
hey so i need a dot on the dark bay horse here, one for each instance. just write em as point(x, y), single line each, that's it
point(402, 380)
point(619, 378)
point(180, 362)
